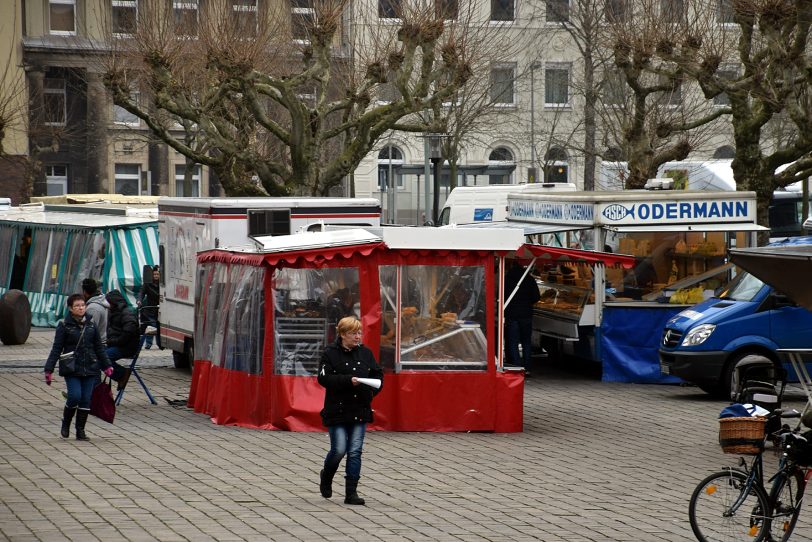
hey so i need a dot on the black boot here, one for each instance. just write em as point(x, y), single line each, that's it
point(81, 420)
point(67, 417)
point(326, 481)
point(352, 492)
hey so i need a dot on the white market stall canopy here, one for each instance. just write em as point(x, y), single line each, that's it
point(498, 239)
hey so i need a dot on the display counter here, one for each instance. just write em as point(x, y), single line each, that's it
point(679, 240)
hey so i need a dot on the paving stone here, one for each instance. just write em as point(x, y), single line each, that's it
point(596, 462)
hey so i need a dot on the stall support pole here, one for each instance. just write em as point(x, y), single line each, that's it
point(500, 316)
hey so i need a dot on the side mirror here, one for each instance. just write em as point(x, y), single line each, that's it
point(780, 300)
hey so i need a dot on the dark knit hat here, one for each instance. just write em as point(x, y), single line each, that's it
point(90, 286)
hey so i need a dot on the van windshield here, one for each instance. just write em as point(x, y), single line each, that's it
point(743, 288)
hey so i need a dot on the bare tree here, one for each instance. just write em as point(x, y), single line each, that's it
point(768, 86)
point(655, 115)
point(275, 105)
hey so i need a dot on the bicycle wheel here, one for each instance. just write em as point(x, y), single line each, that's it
point(786, 495)
point(712, 518)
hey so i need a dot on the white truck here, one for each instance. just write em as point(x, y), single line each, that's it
point(472, 204)
point(187, 226)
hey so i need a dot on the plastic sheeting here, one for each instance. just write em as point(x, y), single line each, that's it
point(425, 400)
point(629, 340)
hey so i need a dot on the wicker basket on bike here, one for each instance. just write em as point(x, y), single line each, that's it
point(742, 435)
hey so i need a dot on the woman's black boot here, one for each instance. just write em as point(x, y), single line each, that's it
point(352, 492)
point(326, 481)
point(67, 417)
point(81, 420)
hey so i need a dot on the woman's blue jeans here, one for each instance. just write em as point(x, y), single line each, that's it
point(80, 388)
point(346, 439)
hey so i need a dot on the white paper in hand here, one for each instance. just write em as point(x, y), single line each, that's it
point(373, 382)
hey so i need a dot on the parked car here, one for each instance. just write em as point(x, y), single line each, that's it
point(702, 344)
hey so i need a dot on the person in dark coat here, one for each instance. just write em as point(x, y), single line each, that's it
point(78, 334)
point(519, 316)
point(149, 296)
point(122, 335)
point(347, 404)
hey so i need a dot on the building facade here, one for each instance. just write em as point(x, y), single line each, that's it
point(529, 129)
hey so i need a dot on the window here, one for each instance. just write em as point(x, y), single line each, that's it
point(617, 11)
point(673, 11)
point(186, 18)
point(614, 89)
point(54, 100)
point(558, 11)
point(389, 9)
point(500, 164)
point(180, 169)
point(727, 74)
point(726, 15)
point(556, 85)
point(502, 81)
point(308, 303)
point(448, 294)
point(128, 179)
point(244, 17)
point(725, 152)
point(268, 222)
point(62, 15)
point(125, 17)
point(502, 10)
point(122, 116)
point(303, 17)
point(556, 169)
point(447, 9)
point(396, 161)
point(56, 180)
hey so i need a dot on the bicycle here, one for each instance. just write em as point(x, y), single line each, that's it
point(734, 504)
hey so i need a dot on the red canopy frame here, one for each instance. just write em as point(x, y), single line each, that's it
point(411, 400)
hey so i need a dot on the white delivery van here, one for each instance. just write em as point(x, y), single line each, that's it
point(187, 226)
point(472, 204)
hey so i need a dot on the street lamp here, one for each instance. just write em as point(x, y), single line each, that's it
point(436, 155)
point(533, 65)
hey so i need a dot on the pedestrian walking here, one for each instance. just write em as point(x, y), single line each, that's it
point(147, 300)
point(77, 334)
point(347, 404)
point(97, 306)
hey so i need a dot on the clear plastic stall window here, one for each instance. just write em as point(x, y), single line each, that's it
point(230, 320)
point(441, 320)
point(308, 303)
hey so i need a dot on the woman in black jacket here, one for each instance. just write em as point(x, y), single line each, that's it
point(78, 334)
point(347, 409)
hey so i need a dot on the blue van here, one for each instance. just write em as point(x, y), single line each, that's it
point(702, 344)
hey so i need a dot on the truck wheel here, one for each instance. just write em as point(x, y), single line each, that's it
point(15, 317)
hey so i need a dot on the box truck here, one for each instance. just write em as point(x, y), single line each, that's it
point(187, 226)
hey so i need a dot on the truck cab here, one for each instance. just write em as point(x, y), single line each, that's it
point(702, 344)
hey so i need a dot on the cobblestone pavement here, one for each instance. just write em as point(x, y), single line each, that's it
point(596, 462)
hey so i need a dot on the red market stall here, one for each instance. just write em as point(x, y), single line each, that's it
point(425, 297)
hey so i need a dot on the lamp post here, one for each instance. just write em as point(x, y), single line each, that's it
point(533, 65)
point(436, 155)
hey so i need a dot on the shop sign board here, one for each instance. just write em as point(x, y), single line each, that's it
point(636, 208)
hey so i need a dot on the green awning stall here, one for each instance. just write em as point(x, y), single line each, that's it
point(46, 251)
